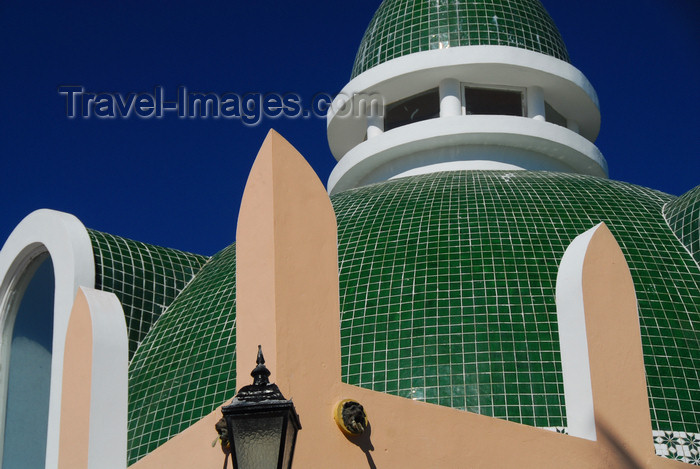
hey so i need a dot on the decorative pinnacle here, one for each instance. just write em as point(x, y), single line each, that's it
point(260, 373)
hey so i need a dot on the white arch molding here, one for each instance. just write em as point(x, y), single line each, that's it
point(65, 239)
point(573, 340)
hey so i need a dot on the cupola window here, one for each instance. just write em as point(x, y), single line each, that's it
point(493, 101)
point(417, 108)
point(553, 116)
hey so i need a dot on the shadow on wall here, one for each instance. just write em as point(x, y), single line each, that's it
point(364, 442)
point(625, 457)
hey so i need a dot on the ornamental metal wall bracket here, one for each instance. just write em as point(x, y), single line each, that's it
point(222, 430)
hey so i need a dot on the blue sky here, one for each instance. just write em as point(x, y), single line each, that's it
point(178, 182)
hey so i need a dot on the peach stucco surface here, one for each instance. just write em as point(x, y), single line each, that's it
point(77, 377)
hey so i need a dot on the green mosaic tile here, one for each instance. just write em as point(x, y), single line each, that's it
point(185, 367)
point(461, 267)
point(683, 216)
point(447, 285)
point(145, 278)
point(402, 27)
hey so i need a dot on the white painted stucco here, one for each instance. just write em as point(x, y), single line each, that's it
point(450, 97)
point(573, 341)
point(66, 240)
point(467, 142)
point(109, 384)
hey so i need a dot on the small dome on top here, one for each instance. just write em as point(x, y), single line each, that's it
point(402, 27)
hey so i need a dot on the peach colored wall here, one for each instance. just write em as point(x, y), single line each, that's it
point(74, 437)
point(621, 404)
point(260, 213)
point(287, 300)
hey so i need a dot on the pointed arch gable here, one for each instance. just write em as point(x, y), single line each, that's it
point(65, 240)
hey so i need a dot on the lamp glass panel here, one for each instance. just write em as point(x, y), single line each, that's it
point(288, 443)
point(257, 440)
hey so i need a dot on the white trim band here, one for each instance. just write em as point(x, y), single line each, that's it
point(573, 341)
point(475, 141)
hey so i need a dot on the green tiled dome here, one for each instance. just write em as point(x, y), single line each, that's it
point(447, 294)
point(448, 290)
point(145, 278)
point(401, 27)
point(185, 367)
point(683, 215)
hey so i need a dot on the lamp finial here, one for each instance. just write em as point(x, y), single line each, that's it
point(260, 373)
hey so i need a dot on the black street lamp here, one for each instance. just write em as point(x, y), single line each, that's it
point(262, 425)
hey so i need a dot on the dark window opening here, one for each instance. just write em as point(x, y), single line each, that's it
point(551, 115)
point(493, 102)
point(414, 109)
